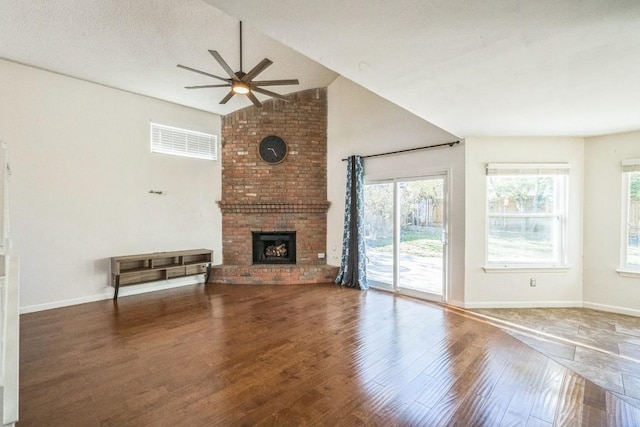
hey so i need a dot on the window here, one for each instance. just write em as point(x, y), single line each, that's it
point(526, 215)
point(630, 259)
point(182, 142)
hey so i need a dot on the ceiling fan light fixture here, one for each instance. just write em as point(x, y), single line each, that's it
point(242, 83)
point(240, 88)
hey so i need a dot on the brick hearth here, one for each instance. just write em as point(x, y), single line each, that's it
point(290, 196)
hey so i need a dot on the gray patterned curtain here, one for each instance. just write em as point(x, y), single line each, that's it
point(353, 271)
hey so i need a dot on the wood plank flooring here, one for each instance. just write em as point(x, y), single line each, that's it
point(291, 355)
point(603, 347)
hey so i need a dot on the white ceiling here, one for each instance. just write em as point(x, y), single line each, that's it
point(135, 45)
point(473, 68)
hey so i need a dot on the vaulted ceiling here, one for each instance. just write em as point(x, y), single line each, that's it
point(136, 45)
point(504, 67)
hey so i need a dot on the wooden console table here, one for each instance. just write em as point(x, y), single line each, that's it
point(135, 269)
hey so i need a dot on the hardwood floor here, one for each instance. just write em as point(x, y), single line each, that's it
point(291, 355)
point(601, 346)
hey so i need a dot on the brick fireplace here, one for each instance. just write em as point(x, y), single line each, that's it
point(260, 197)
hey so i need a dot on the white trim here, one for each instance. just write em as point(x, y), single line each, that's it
point(421, 295)
point(525, 269)
point(524, 304)
point(10, 380)
point(124, 291)
point(622, 272)
point(626, 270)
point(624, 218)
point(448, 255)
point(64, 303)
point(403, 175)
point(612, 309)
point(455, 303)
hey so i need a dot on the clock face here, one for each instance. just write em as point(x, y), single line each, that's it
point(273, 149)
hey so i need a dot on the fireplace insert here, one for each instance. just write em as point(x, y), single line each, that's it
point(277, 247)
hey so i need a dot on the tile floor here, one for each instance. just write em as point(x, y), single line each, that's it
point(603, 347)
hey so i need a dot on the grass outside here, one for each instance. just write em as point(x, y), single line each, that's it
point(418, 241)
point(520, 250)
point(426, 242)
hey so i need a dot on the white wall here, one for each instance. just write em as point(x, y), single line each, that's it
point(511, 289)
point(603, 287)
point(81, 175)
point(362, 123)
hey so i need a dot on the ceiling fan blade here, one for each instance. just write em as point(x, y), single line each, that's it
point(203, 73)
point(223, 63)
point(227, 97)
point(253, 99)
point(269, 93)
point(275, 82)
point(205, 86)
point(262, 65)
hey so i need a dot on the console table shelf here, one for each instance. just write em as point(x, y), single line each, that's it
point(135, 269)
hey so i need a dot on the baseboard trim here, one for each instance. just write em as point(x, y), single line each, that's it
point(612, 309)
point(124, 291)
point(549, 304)
point(456, 303)
point(523, 304)
point(63, 303)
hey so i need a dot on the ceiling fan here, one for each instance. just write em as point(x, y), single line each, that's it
point(240, 82)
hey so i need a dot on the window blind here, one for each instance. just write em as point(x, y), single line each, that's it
point(183, 142)
point(528, 168)
point(631, 165)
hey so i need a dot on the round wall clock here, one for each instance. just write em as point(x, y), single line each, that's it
point(273, 149)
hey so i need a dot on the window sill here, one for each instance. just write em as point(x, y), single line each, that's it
point(628, 273)
point(525, 269)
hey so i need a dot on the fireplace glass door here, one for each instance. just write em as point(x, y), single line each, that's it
point(278, 247)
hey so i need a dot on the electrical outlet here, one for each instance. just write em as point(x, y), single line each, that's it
point(532, 282)
point(321, 255)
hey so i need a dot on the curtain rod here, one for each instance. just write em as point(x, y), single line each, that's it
point(450, 144)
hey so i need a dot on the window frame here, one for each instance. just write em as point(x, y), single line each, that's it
point(203, 145)
point(629, 167)
point(560, 172)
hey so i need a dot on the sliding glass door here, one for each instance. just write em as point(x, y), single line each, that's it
point(405, 223)
point(379, 234)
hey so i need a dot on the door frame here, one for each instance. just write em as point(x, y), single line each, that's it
point(445, 175)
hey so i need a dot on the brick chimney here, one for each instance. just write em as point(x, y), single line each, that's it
point(262, 197)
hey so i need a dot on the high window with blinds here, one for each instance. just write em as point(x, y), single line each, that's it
point(630, 248)
point(183, 142)
point(527, 215)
